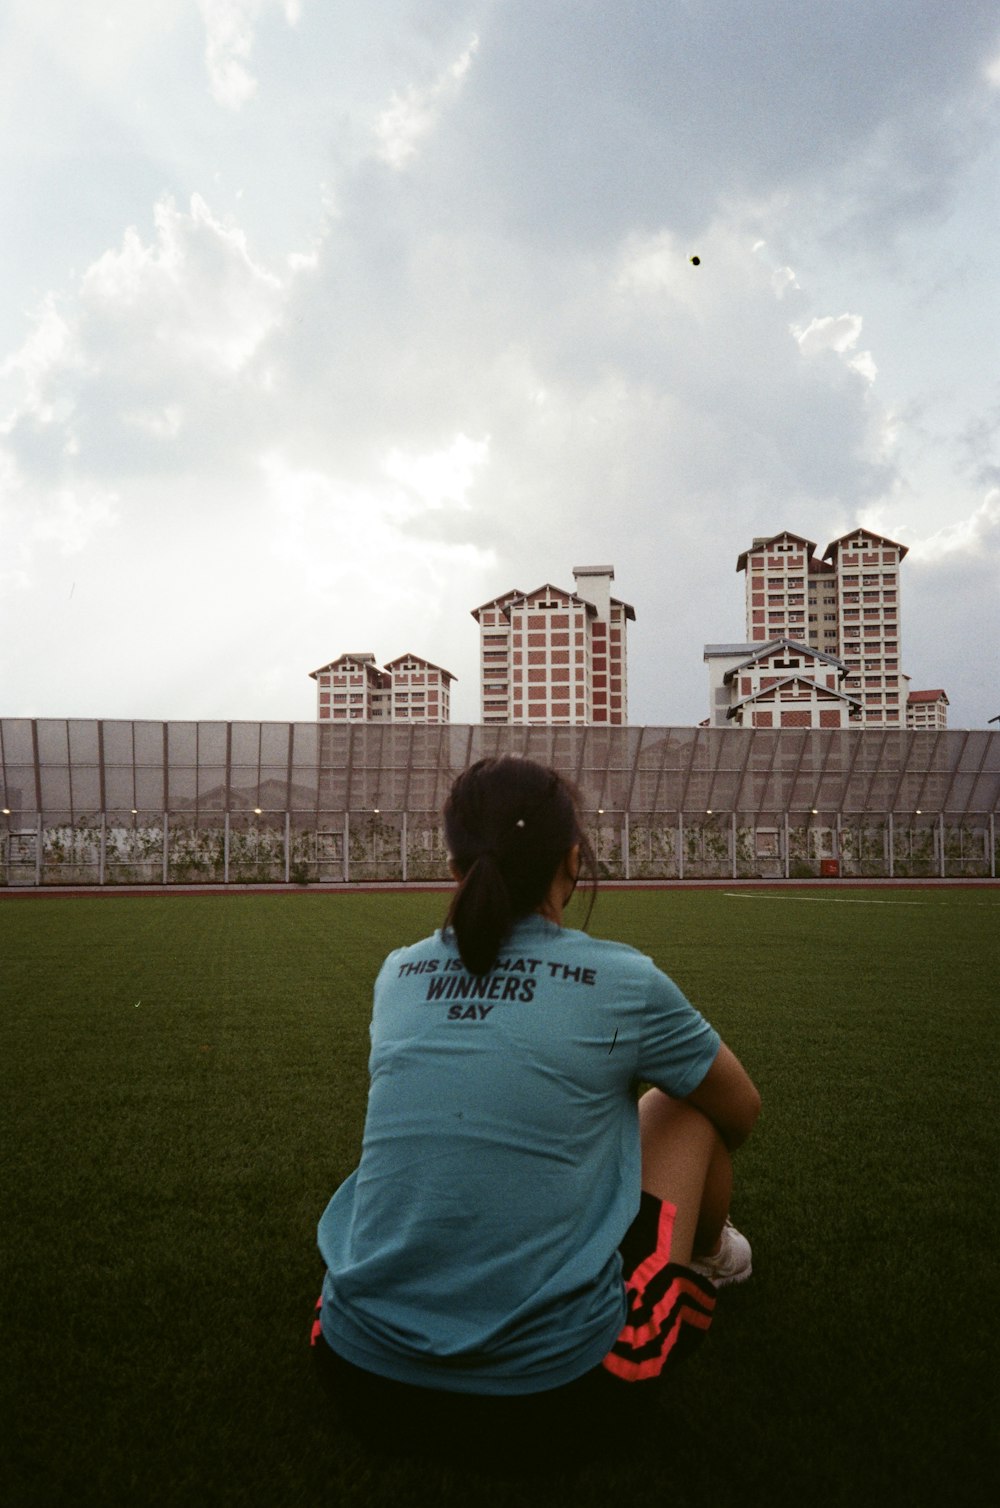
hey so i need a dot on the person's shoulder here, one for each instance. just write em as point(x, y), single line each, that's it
point(610, 950)
point(628, 963)
point(426, 947)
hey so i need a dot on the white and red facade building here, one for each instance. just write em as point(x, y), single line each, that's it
point(554, 656)
point(790, 594)
point(846, 604)
point(927, 709)
point(782, 684)
point(867, 569)
point(408, 689)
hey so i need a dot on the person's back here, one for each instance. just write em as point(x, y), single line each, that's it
point(476, 1249)
point(500, 1159)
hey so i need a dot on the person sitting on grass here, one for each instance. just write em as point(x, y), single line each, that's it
point(525, 1238)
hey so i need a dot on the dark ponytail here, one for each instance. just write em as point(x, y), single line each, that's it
point(509, 824)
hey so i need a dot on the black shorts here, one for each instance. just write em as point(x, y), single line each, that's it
point(670, 1307)
point(669, 1311)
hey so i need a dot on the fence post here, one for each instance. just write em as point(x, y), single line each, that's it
point(103, 848)
point(347, 843)
point(38, 849)
point(941, 841)
point(403, 844)
point(787, 865)
point(288, 846)
point(225, 849)
point(166, 847)
point(625, 845)
point(734, 844)
point(892, 844)
point(680, 845)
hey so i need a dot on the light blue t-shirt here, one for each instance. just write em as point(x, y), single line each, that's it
point(475, 1247)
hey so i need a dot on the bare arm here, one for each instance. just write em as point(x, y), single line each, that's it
point(728, 1097)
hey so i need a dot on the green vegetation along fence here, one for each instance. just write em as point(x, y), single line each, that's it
point(104, 803)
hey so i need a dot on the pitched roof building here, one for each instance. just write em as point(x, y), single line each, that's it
point(845, 604)
point(554, 656)
point(353, 688)
point(927, 709)
point(782, 684)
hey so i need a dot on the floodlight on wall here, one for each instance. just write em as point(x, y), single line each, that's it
point(375, 811)
point(6, 811)
point(708, 811)
point(815, 811)
point(257, 811)
point(135, 811)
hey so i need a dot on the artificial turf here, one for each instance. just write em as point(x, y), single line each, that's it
point(184, 1085)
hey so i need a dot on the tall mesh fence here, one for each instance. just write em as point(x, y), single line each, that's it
point(115, 802)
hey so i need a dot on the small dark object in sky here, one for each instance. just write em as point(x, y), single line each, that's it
point(695, 261)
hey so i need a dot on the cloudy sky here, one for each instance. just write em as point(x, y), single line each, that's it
point(323, 322)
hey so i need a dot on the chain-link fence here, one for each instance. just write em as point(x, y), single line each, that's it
point(105, 803)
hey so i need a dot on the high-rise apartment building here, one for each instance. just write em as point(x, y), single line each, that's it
point(846, 604)
point(553, 656)
point(927, 709)
point(409, 689)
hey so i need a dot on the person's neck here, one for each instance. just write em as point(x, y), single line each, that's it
point(562, 887)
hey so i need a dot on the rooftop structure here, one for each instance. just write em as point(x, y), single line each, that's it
point(555, 656)
point(781, 684)
point(927, 709)
point(354, 688)
point(845, 604)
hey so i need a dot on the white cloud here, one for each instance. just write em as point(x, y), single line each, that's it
point(440, 477)
point(229, 38)
point(164, 423)
point(496, 359)
point(124, 376)
point(783, 279)
point(829, 333)
point(50, 348)
point(35, 521)
point(651, 264)
point(838, 333)
point(356, 576)
point(230, 34)
point(72, 516)
point(976, 537)
point(412, 116)
point(194, 295)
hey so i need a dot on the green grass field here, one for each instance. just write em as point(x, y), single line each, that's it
point(184, 1085)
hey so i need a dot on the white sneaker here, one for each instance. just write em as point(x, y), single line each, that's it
point(730, 1263)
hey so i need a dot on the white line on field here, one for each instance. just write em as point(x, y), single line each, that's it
point(828, 900)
